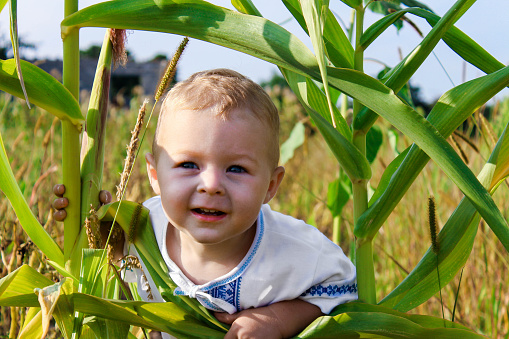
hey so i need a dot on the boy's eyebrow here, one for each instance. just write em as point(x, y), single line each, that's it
point(232, 157)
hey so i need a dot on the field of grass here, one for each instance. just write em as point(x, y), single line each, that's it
point(32, 140)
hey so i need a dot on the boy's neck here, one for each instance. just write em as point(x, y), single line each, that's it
point(202, 263)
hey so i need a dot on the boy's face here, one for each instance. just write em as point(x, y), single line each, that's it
point(213, 175)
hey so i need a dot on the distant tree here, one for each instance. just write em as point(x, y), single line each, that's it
point(276, 80)
point(159, 57)
point(91, 52)
point(6, 47)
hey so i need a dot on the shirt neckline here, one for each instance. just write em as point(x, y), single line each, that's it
point(234, 274)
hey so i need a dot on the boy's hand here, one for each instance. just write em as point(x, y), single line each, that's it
point(60, 203)
point(279, 320)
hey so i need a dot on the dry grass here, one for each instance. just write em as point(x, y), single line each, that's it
point(483, 297)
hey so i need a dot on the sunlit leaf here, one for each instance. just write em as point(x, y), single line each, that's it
point(246, 6)
point(338, 194)
point(2, 4)
point(370, 321)
point(352, 3)
point(17, 288)
point(165, 317)
point(43, 90)
point(463, 45)
point(294, 141)
point(201, 20)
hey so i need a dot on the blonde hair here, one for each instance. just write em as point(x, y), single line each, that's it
point(223, 91)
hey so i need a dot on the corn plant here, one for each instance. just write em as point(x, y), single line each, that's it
point(81, 302)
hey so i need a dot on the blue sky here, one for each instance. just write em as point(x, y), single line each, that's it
point(485, 22)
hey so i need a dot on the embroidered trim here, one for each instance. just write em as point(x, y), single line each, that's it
point(246, 262)
point(330, 290)
point(228, 292)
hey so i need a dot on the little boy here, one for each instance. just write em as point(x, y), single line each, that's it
point(214, 168)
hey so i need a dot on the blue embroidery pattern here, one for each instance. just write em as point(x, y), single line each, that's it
point(228, 292)
point(330, 290)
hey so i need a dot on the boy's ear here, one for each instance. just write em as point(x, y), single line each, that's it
point(275, 181)
point(152, 173)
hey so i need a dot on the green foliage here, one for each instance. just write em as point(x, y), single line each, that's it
point(335, 66)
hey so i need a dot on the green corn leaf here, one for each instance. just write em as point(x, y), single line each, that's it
point(402, 72)
point(353, 162)
point(165, 317)
point(316, 99)
point(385, 8)
point(94, 267)
point(451, 110)
point(294, 141)
point(374, 31)
point(358, 320)
point(339, 193)
point(311, 96)
point(32, 327)
point(422, 320)
point(463, 45)
point(338, 47)
point(502, 156)
point(352, 3)
point(387, 175)
point(2, 4)
point(374, 140)
point(315, 13)
point(43, 90)
point(13, 6)
point(31, 225)
point(17, 288)
point(107, 328)
point(414, 3)
point(246, 7)
point(201, 20)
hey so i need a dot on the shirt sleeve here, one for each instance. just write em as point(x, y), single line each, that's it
point(334, 280)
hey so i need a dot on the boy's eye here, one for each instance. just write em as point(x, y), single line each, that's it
point(188, 165)
point(236, 169)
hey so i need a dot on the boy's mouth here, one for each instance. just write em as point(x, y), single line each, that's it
point(205, 211)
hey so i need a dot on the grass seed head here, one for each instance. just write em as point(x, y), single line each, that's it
point(169, 73)
point(433, 224)
point(131, 151)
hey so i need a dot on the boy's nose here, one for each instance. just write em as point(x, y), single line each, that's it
point(210, 182)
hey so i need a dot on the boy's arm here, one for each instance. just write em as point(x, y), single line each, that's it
point(283, 319)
